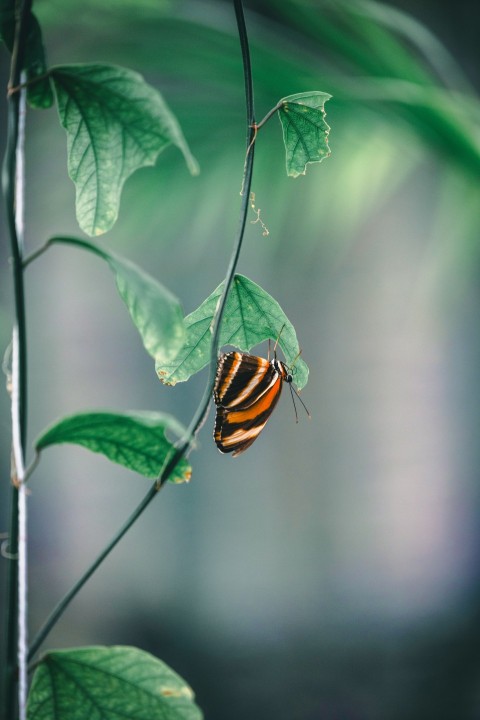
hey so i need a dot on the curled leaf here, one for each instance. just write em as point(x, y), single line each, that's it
point(305, 132)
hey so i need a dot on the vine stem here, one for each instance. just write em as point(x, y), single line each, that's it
point(187, 441)
point(14, 669)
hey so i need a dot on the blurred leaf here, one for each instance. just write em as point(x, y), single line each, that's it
point(39, 91)
point(7, 22)
point(135, 440)
point(420, 37)
point(336, 45)
point(115, 124)
point(251, 316)
point(359, 34)
point(115, 682)
point(446, 121)
point(305, 132)
point(155, 311)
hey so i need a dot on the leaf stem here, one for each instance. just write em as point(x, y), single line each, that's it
point(269, 114)
point(13, 193)
point(28, 83)
point(201, 413)
point(65, 240)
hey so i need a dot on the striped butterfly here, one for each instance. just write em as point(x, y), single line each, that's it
point(246, 390)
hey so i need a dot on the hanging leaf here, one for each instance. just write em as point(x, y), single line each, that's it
point(108, 682)
point(155, 311)
point(251, 316)
point(115, 124)
point(135, 440)
point(305, 132)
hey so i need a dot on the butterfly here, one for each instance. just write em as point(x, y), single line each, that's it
point(246, 390)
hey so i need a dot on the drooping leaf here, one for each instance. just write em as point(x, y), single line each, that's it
point(155, 311)
point(251, 316)
point(115, 124)
point(135, 440)
point(108, 682)
point(39, 91)
point(305, 132)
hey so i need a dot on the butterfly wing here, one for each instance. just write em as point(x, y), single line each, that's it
point(242, 379)
point(237, 427)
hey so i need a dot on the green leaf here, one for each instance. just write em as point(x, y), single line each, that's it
point(251, 316)
point(39, 91)
point(135, 440)
point(7, 22)
point(115, 124)
point(305, 132)
point(155, 311)
point(117, 683)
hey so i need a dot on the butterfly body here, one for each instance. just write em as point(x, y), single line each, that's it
point(247, 389)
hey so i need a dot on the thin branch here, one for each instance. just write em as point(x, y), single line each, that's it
point(13, 190)
point(200, 415)
point(59, 609)
point(19, 426)
point(34, 255)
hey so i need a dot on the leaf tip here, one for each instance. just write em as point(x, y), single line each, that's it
point(181, 692)
point(184, 477)
point(163, 377)
point(193, 166)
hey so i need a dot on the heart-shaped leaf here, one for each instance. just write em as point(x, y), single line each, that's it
point(108, 682)
point(115, 124)
point(135, 440)
point(305, 132)
point(251, 316)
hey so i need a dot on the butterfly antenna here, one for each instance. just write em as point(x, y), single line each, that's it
point(298, 396)
point(294, 405)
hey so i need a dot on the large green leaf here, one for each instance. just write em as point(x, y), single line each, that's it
point(305, 132)
point(135, 440)
point(251, 316)
point(155, 311)
point(118, 683)
point(115, 124)
point(39, 91)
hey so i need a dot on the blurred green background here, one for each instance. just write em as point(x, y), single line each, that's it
point(331, 572)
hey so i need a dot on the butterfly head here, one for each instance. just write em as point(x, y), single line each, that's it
point(283, 370)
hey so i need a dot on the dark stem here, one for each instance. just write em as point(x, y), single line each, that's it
point(66, 600)
point(202, 411)
point(19, 353)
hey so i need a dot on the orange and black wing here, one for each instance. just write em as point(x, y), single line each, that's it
point(238, 424)
point(242, 379)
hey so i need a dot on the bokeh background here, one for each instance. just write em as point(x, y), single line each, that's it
point(331, 572)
